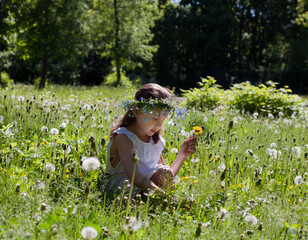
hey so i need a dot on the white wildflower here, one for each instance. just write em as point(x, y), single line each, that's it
point(48, 110)
point(44, 129)
point(1, 118)
point(40, 185)
point(207, 224)
point(89, 233)
point(66, 121)
point(249, 151)
point(86, 106)
point(270, 116)
point(54, 131)
point(50, 167)
point(205, 119)
point(90, 164)
point(251, 219)
point(223, 213)
point(132, 224)
point(273, 145)
point(297, 151)
point(255, 115)
point(82, 118)
point(63, 125)
point(222, 167)
point(298, 180)
point(280, 114)
point(21, 99)
point(174, 150)
point(80, 141)
point(195, 160)
point(171, 123)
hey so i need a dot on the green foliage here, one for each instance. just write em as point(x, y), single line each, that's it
point(5, 80)
point(207, 97)
point(111, 80)
point(263, 99)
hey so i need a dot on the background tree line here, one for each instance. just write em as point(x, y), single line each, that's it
point(174, 44)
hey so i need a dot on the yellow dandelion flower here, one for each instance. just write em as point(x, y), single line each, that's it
point(66, 176)
point(58, 141)
point(182, 178)
point(32, 144)
point(197, 130)
point(81, 175)
point(23, 175)
point(43, 143)
point(106, 136)
point(67, 170)
point(291, 187)
point(239, 185)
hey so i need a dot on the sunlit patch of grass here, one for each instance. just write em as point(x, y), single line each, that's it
point(45, 192)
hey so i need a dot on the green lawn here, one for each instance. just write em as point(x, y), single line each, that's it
point(249, 181)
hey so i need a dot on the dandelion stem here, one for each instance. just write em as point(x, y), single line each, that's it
point(131, 190)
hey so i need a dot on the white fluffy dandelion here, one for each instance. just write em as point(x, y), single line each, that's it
point(89, 233)
point(54, 131)
point(174, 150)
point(50, 167)
point(44, 129)
point(298, 180)
point(63, 125)
point(132, 224)
point(1, 118)
point(86, 106)
point(297, 151)
point(251, 219)
point(90, 164)
point(273, 145)
point(222, 167)
point(21, 99)
point(82, 118)
point(223, 213)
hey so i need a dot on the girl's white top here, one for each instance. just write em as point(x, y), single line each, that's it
point(148, 154)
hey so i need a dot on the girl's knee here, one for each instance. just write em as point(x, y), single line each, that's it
point(163, 177)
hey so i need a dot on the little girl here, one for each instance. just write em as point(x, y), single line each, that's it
point(138, 135)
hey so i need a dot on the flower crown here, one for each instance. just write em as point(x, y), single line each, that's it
point(147, 105)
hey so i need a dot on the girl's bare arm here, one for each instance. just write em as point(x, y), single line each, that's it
point(188, 147)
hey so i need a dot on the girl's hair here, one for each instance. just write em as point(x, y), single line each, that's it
point(147, 92)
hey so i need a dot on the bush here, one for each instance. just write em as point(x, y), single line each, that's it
point(263, 99)
point(208, 96)
point(111, 80)
point(6, 81)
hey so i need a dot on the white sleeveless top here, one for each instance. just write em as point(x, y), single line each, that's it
point(148, 154)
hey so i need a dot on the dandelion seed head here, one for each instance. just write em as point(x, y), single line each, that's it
point(132, 224)
point(222, 167)
point(89, 233)
point(82, 118)
point(174, 150)
point(21, 99)
point(50, 167)
point(44, 129)
point(90, 164)
point(54, 131)
point(298, 180)
point(1, 118)
point(195, 160)
point(251, 219)
point(297, 151)
point(63, 125)
point(273, 145)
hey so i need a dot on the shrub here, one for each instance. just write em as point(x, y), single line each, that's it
point(6, 81)
point(111, 80)
point(263, 99)
point(208, 96)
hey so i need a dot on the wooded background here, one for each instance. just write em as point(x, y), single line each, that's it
point(172, 43)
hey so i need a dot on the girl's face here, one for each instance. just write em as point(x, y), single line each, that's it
point(152, 122)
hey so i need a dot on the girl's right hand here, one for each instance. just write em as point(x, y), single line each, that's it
point(189, 146)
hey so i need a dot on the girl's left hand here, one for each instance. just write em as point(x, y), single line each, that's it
point(189, 146)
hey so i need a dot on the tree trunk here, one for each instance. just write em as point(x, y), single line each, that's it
point(117, 55)
point(44, 70)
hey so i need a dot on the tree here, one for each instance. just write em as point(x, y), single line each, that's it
point(124, 31)
point(49, 31)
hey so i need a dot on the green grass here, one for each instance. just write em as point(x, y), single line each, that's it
point(253, 182)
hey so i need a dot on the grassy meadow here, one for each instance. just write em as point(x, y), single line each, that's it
point(247, 180)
